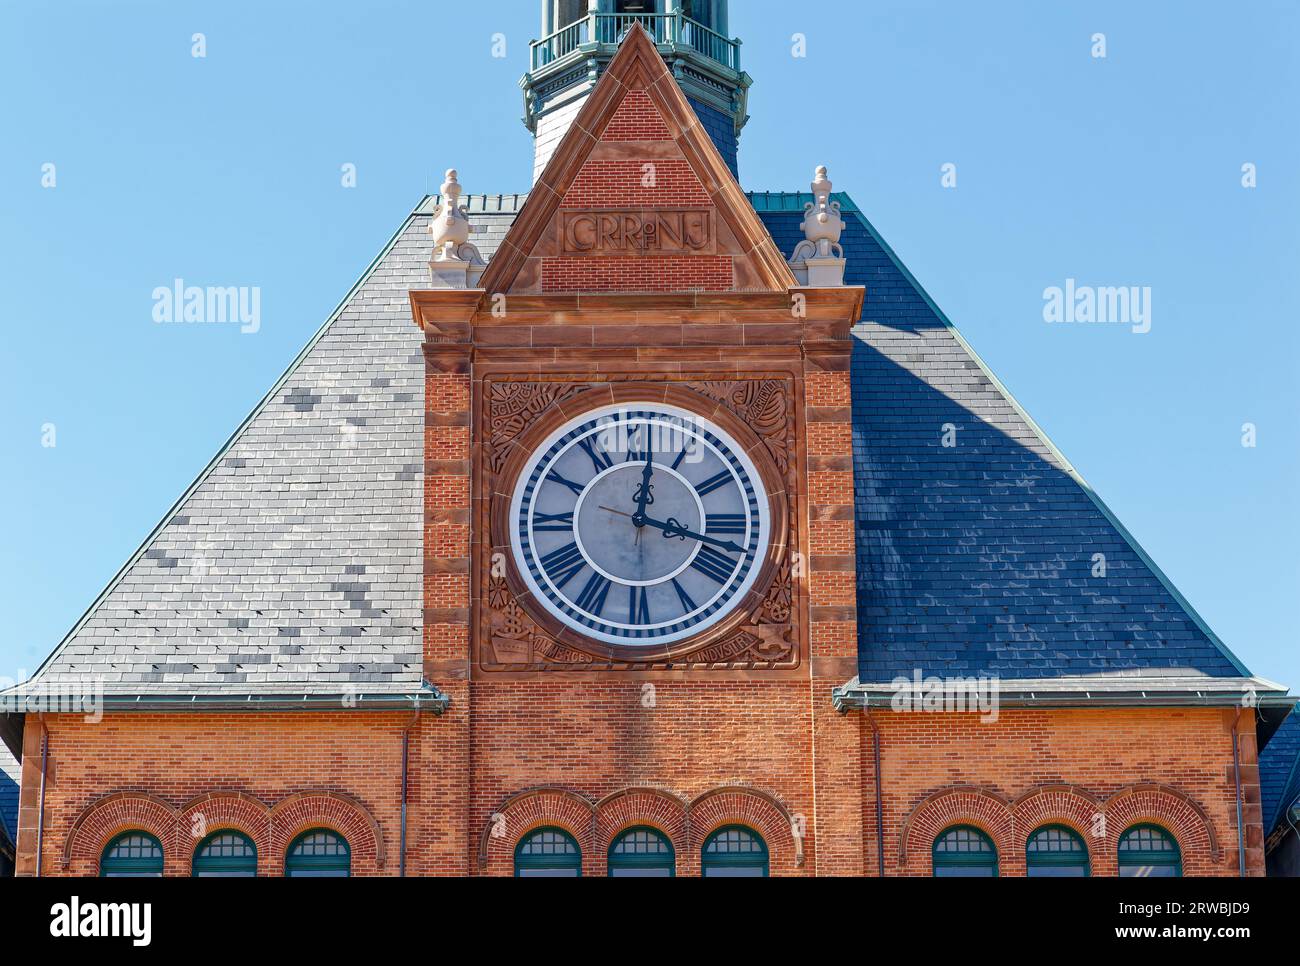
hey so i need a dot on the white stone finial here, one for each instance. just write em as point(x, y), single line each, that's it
point(819, 260)
point(455, 263)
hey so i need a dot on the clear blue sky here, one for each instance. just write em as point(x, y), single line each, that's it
point(226, 171)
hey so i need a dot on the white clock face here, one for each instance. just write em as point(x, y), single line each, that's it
point(639, 524)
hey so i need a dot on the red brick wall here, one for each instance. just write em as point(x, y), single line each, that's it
point(1098, 771)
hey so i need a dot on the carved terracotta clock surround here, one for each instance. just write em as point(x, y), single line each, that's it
point(516, 414)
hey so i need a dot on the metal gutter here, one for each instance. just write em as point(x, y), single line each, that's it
point(846, 698)
point(429, 698)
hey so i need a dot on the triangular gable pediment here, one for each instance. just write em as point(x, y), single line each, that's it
point(637, 198)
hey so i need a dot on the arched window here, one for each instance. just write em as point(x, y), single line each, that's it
point(736, 852)
point(132, 855)
point(965, 851)
point(548, 853)
point(1055, 850)
point(642, 852)
point(319, 854)
point(226, 855)
point(1148, 851)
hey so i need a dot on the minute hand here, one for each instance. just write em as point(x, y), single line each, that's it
point(643, 495)
point(674, 529)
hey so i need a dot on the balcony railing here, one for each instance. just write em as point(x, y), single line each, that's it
point(665, 29)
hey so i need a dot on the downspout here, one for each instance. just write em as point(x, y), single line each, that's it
point(40, 813)
point(406, 744)
point(1241, 831)
point(880, 806)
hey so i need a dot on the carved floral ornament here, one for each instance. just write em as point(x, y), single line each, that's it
point(762, 633)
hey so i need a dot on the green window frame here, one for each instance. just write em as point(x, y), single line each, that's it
point(1149, 851)
point(226, 854)
point(964, 851)
point(642, 852)
point(548, 853)
point(1056, 851)
point(734, 851)
point(132, 855)
point(318, 853)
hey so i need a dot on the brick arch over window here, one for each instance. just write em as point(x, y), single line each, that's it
point(107, 817)
point(630, 807)
point(959, 805)
point(742, 805)
point(521, 813)
point(1067, 805)
point(226, 811)
point(297, 813)
point(1169, 808)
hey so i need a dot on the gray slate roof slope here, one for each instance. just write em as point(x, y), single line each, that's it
point(294, 563)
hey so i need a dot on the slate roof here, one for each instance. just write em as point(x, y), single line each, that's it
point(9, 776)
point(294, 562)
point(1279, 772)
point(977, 558)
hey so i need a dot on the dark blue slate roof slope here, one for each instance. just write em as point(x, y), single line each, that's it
point(977, 558)
point(1279, 772)
point(9, 775)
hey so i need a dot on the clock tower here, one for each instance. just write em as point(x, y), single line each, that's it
point(638, 475)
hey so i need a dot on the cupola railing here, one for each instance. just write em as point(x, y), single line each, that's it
point(674, 30)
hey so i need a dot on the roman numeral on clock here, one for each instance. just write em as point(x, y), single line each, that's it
point(637, 452)
point(725, 523)
point(713, 482)
point(638, 606)
point(687, 604)
point(555, 477)
point(553, 522)
point(592, 598)
point(713, 564)
point(562, 564)
point(599, 458)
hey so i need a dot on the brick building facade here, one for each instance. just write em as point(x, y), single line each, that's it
point(331, 654)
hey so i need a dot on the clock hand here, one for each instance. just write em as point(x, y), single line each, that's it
point(643, 496)
point(674, 529)
point(612, 510)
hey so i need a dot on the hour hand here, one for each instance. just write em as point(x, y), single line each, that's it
point(674, 529)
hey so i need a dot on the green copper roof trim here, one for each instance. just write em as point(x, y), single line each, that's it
point(225, 447)
point(1069, 467)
